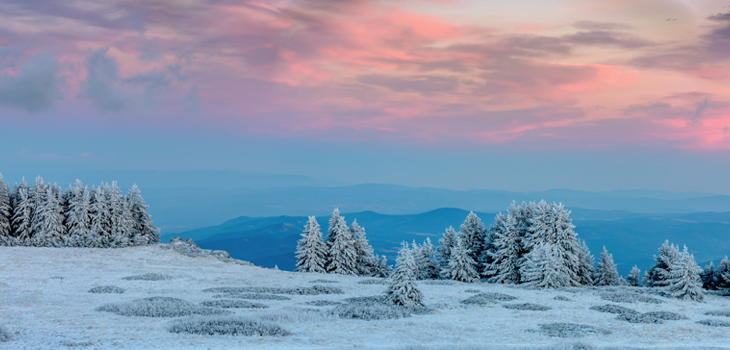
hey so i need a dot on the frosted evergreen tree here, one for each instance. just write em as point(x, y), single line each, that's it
point(37, 197)
point(446, 243)
point(658, 275)
point(6, 211)
point(311, 249)
point(428, 267)
point(462, 266)
point(120, 235)
point(332, 230)
point(551, 224)
point(606, 273)
point(147, 233)
point(22, 213)
point(52, 229)
point(381, 269)
point(366, 261)
point(403, 289)
point(474, 234)
point(343, 254)
point(634, 278)
point(684, 278)
point(100, 213)
point(709, 281)
point(78, 218)
point(722, 275)
point(126, 225)
point(544, 267)
point(505, 267)
point(585, 266)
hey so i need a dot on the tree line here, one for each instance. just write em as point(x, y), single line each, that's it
point(44, 215)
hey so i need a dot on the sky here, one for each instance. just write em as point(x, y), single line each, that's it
point(463, 94)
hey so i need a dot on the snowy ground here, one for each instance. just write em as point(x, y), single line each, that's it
point(45, 304)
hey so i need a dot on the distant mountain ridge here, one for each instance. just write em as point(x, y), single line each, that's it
point(632, 238)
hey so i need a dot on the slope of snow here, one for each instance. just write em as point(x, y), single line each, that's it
point(45, 304)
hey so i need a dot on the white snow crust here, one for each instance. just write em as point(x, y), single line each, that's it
point(45, 304)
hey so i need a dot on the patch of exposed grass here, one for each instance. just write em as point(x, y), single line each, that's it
point(714, 323)
point(571, 330)
point(324, 281)
point(107, 290)
point(323, 303)
point(373, 281)
point(313, 290)
point(613, 309)
point(487, 299)
point(148, 277)
point(233, 304)
point(627, 296)
point(651, 317)
point(159, 307)
point(438, 282)
point(527, 307)
point(227, 325)
point(725, 313)
point(5, 335)
point(252, 296)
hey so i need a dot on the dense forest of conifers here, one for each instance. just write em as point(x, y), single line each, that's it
point(44, 215)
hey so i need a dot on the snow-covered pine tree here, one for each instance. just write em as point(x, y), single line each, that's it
point(332, 230)
point(606, 273)
point(474, 234)
point(505, 267)
point(634, 278)
point(343, 256)
point(22, 213)
point(37, 196)
point(684, 279)
point(366, 262)
point(722, 275)
point(381, 269)
point(462, 266)
point(658, 275)
point(446, 243)
point(486, 258)
point(6, 211)
point(544, 267)
point(311, 249)
point(524, 213)
point(420, 261)
point(709, 281)
point(403, 289)
point(585, 268)
point(427, 265)
point(100, 228)
point(126, 230)
point(146, 232)
point(78, 218)
point(551, 224)
point(119, 235)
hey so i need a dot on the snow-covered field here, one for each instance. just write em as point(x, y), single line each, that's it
point(45, 303)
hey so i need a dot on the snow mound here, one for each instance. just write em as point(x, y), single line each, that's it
point(313, 290)
point(571, 330)
point(107, 290)
point(527, 307)
point(252, 296)
point(5, 335)
point(233, 304)
point(147, 277)
point(725, 313)
point(159, 307)
point(714, 323)
point(472, 291)
point(227, 325)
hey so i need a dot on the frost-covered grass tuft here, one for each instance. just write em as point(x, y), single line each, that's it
point(627, 296)
point(570, 346)
point(295, 315)
point(148, 277)
point(323, 303)
point(438, 282)
point(571, 330)
point(614, 309)
point(714, 323)
point(313, 290)
point(487, 299)
point(324, 281)
point(651, 317)
point(527, 306)
point(252, 296)
point(562, 298)
point(375, 308)
point(472, 291)
point(5, 335)
point(725, 313)
point(160, 307)
point(233, 304)
point(226, 325)
point(107, 289)
point(378, 281)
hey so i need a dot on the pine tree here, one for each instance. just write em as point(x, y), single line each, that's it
point(446, 243)
point(22, 213)
point(146, 232)
point(37, 197)
point(506, 265)
point(461, 265)
point(403, 289)
point(684, 279)
point(427, 266)
point(125, 232)
point(6, 211)
point(658, 275)
point(343, 257)
point(551, 224)
point(486, 258)
point(474, 234)
point(78, 218)
point(332, 230)
point(722, 275)
point(585, 266)
point(709, 281)
point(100, 229)
point(634, 278)
point(544, 267)
point(365, 258)
point(119, 235)
point(311, 249)
point(606, 273)
point(381, 269)
point(52, 229)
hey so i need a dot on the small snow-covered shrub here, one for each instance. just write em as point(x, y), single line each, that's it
point(252, 296)
point(159, 307)
point(226, 325)
point(378, 281)
point(5, 335)
point(613, 309)
point(562, 298)
point(725, 313)
point(313, 290)
point(472, 291)
point(368, 312)
point(571, 330)
point(324, 281)
point(233, 304)
point(526, 306)
point(107, 289)
point(487, 298)
point(294, 315)
point(375, 299)
point(628, 296)
point(714, 323)
point(651, 317)
point(323, 303)
point(148, 277)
